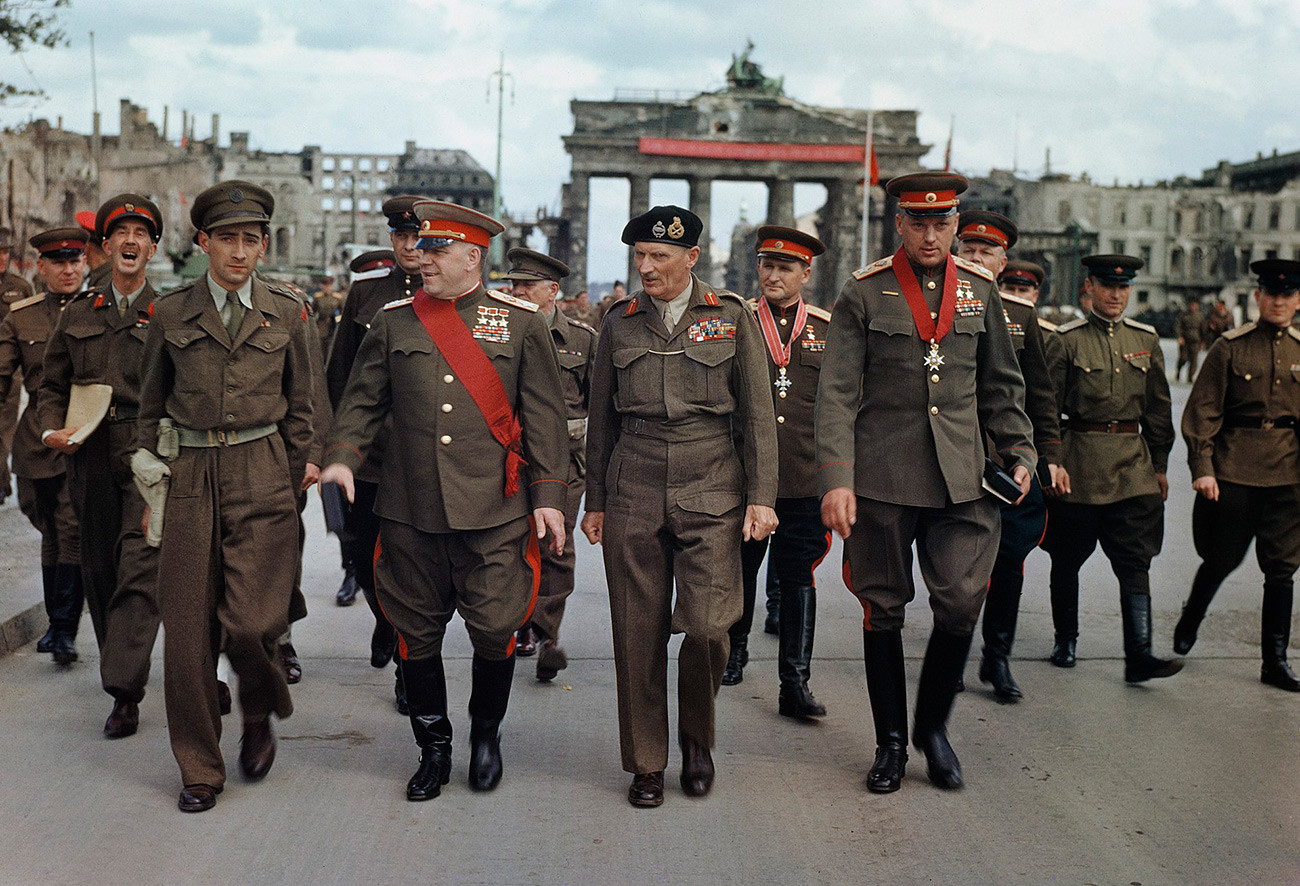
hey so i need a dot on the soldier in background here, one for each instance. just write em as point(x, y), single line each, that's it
point(97, 263)
point(12, 288)
point(1218, 321)
point(41, 471)
point(328, 306)
point(1240, 424)
point(1112, 388)
point(1188, 331)
point(99, 340)
point(536, 277)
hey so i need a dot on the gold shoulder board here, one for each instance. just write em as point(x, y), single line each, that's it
point(874, 268)
point(973, 268)
point(397, 304)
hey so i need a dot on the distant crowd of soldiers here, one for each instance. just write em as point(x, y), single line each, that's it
point(170, 440)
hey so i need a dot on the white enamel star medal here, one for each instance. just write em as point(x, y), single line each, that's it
point(934, 359)
point(782, 382)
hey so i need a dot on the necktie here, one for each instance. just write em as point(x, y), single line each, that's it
point(232, 314)
point(121, 305)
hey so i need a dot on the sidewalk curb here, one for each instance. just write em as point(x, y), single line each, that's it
point(19, 630)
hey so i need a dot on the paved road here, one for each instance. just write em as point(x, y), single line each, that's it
point(1189, 780)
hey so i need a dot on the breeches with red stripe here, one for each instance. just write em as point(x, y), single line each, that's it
point(489, 576)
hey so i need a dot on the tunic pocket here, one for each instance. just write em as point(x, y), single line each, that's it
point(710, 363)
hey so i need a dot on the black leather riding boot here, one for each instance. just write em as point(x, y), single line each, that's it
point(426, 695)
point(999, 629)
point(887, 689)
point(797, 623)
point(50, 589)
point(1204, 586)
point(736, 659)
point(1139, 664)
point(1065, 616)
point(488, 699)
point(1275, 636)
point(71, 596)
point(945, 659)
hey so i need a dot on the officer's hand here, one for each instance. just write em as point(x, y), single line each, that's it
point(1021, 476)
point(1207, 486)
point(1060, 480)
point(312, 477)
point(760, 522)
point(1163, 482)
point(840, 510)
point(342, 475)
point(551, 519)
point(59, 440)
point(593, 526)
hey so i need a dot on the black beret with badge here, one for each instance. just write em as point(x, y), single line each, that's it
point(401, 212)
point(125, 206)
point(788, 243)
point(927, 194)
point(232, 203)
point(664, 224)
point(61, 244)
point(1113, 270)
point(1277, 275)
point(991, 227)
point(528, 264)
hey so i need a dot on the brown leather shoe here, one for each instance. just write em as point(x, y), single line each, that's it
point(257, 749)
point(550, 661)
point(292, 667)
point(647, 789)
point(526, 641)
point(123, 721)
point(197, 798)
point(223, 697)
point(697, 768)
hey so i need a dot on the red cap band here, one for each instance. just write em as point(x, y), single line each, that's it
point(451, 230)
point(79, 245)
point(927, 199)
point(377, 263)
point(131, 209)
point(786, 247)
point(984, 231)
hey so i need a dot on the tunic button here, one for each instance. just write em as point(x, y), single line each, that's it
point(230, 416)
point(934, 378)
point(445, 439)
point(934, 410)
point(449, 378)
point(929, 284)
point(230, 389)
point(1247, 376)
point(1117, 370)
point(780, 419)
point(933, 315)
point(446, 407)
point(781, 394)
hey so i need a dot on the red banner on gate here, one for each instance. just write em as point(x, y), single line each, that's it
point(791, 153)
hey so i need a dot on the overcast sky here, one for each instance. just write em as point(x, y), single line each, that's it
point(1121, 89)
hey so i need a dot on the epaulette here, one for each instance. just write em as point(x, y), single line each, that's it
point(27, 302)
point(285, 290)
point(874, 268)
point(398, 303)
point(1077, 323)
point(512, 301)
point(582, 325)
point(727, 293)
point(375, 274)
point(1239, 331)
point(1129, 321)
point(1293, 332)
point(1049, 326)
point(753, 303)
point(819, 313)
point(974, 268)
point(1015, 299)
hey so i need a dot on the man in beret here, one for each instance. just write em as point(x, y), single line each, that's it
point(41, 471)
point(474, 479)
point(1111, 384)
point(99, 340)
point(919, 366)
point(226, 407)
point(378, 280)
point(1240, 425)
point(669, 495)
point(984, 237)
point(536, 277)
point(794, 338)
point(13, 287)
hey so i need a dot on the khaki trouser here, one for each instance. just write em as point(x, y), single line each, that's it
point(227, 566)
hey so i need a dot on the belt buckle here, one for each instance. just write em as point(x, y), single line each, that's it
point(221, 438)
point(1267, 424)
point(1112, 427)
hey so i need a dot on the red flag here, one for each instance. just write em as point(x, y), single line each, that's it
point(874, 166)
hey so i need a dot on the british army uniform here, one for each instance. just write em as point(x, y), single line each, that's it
point(99, 340)
point(575, 349)
point(1240, 423)
point(918, 367)
point(378, 280)
point(472, 389)
point(673, 490)
point(1022, 524)
point(226, 402)
point(12, 288)
point(794, 337)
point(1113, 392)
point(41, 471)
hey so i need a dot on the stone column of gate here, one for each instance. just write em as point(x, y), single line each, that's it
point(841, 236)
point(780, 202)
point(701, 201)
point(575, 201)
point(638, 201)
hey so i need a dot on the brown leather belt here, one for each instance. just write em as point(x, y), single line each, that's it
point(1104, 427)
point(1282, 421)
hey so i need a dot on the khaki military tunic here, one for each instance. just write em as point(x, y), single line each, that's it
point(1112, 373)
point(442, 490)
point(575, 349)
point(12, 288)
point(793, 400)
point(1029, 341)
point(663, 467)
point(95, 344)
point(231, 521)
